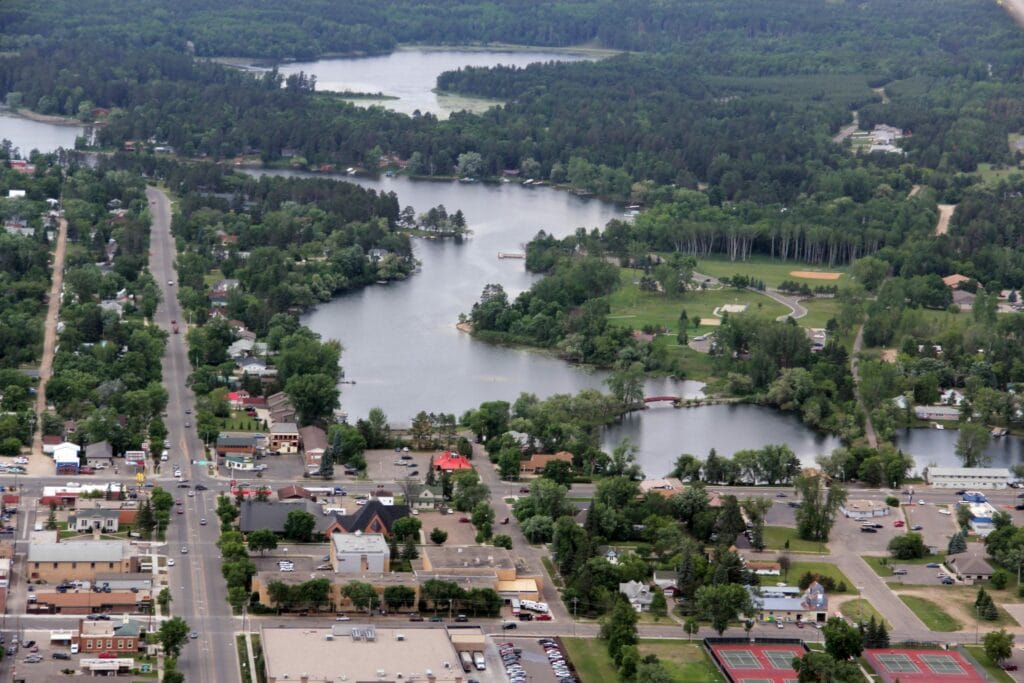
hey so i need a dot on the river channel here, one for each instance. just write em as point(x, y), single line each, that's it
point(404, 354)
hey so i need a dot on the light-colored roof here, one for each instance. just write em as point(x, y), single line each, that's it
point(955, 280)
point(79, 551)
point(284, 428)
point(359, 543)
point(313, 438)
point(305, 652)
point(971, 564)
point(467, 556)
point(968, 472)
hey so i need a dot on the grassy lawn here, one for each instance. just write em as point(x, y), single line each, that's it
point(993, 174)
point(240, 422)
point(556, 578)
point(819, 311)
point(860, 610)
point(213, 277)
point(799, 568)
point(684, 661)
point(997, 674)
point(775, 538)
point(257, 655)
point(696, 366)
point(243, 658)
point(883, 565)
point(590, 657)
point(635, 309)
point(771, 272)
point(1004, 617)
point(933, 616)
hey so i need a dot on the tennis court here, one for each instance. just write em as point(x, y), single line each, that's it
point(758, 662)
point(907, 666)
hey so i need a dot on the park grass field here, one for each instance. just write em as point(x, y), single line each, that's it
point(799, 567)
point(819, 312)
point(771, 271)
point(991, 173)
point(933, 616)
point(633, 308)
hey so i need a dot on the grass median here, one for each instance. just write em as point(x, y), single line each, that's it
point(775, 538)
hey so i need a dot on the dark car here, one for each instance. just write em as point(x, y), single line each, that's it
point(524, 489)
point(876, 525)
point(61, 655)
point(200, 487)
point(87, 470)
point(1008, 667)
point(436, 618)
point(509, 626)
point(525, 616)
point(414, 473)
point(415, 617)
point(461, 618)
point(780, 494)
point(868, 530)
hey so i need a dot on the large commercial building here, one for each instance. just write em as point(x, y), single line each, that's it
point(360, 653)
point(969, 477)
point(83, 560)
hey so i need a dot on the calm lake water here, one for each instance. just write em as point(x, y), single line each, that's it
point(411, 75)
point(405, 355)
point(27, 134)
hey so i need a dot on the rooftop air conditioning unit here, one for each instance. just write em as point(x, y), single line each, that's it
point(400, 636)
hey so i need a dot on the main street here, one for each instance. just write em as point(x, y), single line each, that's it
point(198, 590)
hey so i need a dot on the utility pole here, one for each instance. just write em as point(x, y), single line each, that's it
point(574, 601)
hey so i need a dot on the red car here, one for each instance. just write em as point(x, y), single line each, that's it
point(898, 523)
point(464, 520)
point(524, 489)
point(181, 511)
point(106, 655)
point(543, 617)
point(87, 470)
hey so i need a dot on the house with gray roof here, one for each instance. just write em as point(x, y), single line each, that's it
point(106, 520)
point(99, 453)
point(639, 595)
point(785, 603)
point(423, 497)
point(83, 560)
point(970, 566)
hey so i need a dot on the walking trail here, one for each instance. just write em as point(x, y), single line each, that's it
point(869, 428)
point(50, 334)
point(945, 213)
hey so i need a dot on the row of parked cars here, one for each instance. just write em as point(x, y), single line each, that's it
point(557, 660)
point(510, 659)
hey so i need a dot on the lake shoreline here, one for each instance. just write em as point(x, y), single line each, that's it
point(26, 113)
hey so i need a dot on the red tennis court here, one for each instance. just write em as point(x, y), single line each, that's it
point(907, 666)
point(758, 662)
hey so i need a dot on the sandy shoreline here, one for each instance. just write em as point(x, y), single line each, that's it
point(44, 118)
point(1016, 10)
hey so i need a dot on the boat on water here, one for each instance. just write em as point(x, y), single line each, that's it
point(938, 426)
point(998, 432)
point(511, 254)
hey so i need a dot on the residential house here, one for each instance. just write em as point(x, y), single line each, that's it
point(218, 295)
point(57, 562)
point(955, 280)
point(254, 367)
point(450, 462)
point(235, 445)
point(359, 553)
point(765, 568)
point(110, 636)
point(50, 442)
point(666, 487)
point(65, 458)
point(106, 520)
point(314, 444)
point(423, 497)
point(638, 594)
point(372, 518)
point(284, 437)
point(99, 454)
point(666, 581)
point(280, 407)
point(784, 603)
point(970, 566)
point(538, 461)
point(951, 397)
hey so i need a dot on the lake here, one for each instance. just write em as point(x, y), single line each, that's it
point(411, 75)
point(27, 134)
point(405, 355)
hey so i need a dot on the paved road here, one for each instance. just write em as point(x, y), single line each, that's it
point(50, 333)
point(198, 590)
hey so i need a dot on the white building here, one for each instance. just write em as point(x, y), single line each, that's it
point(360, 553)
point(968, 477)
point(865, 508)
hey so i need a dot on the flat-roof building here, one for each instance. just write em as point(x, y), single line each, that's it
point(864, 508)
point(360, 653)
point(969, 477)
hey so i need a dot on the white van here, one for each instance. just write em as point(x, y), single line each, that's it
point(38, 526)
point(74, 648)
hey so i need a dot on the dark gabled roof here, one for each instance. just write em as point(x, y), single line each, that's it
point(225, 440)
point(361, 518)
point(256, 514)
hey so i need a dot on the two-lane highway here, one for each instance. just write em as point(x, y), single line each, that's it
point(197, 587)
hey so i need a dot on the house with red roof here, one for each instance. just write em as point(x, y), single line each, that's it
point(450, 462)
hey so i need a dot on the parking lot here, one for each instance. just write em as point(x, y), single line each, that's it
point(917, 575)
point(936, 527)
point(532, 658)
point(459, 533)
point(47, 667)
point(847, 534)
point(781, 514)
point(390, 465)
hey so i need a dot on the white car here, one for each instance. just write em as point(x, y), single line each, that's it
point(21, 460)
point(170, 561)
point(170, 283)
point(922, 502)
point(944, 511)
point(163, 458)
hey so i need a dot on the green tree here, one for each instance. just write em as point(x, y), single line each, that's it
point(238, 596)
point(262, 540)
point(361, 594)
point(502, 541)
point(299, 526)
point(659, 606)
point(397, 597)
point(819, 507)
point(164, 599)
point(409, 549)
point(559, 471)
point(842, 640)
point(406, 527)
point(173, 634)
point(998, 645)
point(314, 396)
point(971, 443)
point(722, 603)
point(690, 627)
point(908, 546)
point(51, 519)
point(627, 385)
point(438, 536)
point(618, 629)
point(821, 667)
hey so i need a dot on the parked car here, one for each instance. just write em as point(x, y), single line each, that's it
point(509, 626)
point(779, 624)
point(916, 527)
point(948, 581)
point(461, 618)
point(61, 655)
point(868, 530)
point(343, 618)
point(932, 565)
point(781, 494)
point(464, 520)
point(436, 618)
point(543, 617)
point(415, 617)
point(106, 655)
point(193, 635)
point(524, 489)
point(898, 523)
point(1008, 666)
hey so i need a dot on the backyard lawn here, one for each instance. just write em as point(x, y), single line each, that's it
point(799, 568)
point(240, 422)
point(775, 538)
point(933, 616)
point(883, 565)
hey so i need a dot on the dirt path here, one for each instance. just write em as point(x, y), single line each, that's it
point(881, 91)
point(50, 334)
point(945, 213)
point(913, 191)
point(847, 131)
point(869, 427)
